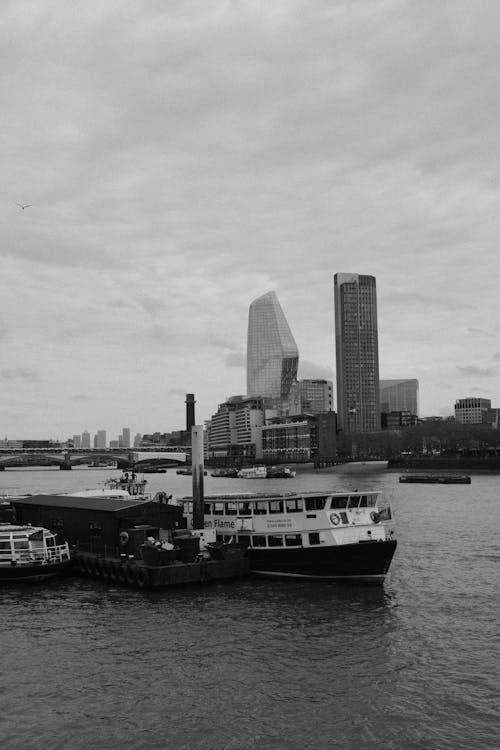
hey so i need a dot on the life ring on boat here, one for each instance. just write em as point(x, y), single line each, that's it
point(335, 518)
point(141, 578)
point(374, 516)
point(124, 537)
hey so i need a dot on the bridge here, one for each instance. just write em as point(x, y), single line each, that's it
point(69, 457)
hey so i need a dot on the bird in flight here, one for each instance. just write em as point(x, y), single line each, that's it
point(27, 205)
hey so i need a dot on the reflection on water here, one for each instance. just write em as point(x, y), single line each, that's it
point(267, 664)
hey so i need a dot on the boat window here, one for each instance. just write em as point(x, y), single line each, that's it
point(353, 501)
point(294, 505)
point(50, 541)
point(245, 509)
point(218, 509)
point(244, 541)
point(276, 506)
point(95, 529)
point(339, 502)
point(315, 503)
point(363, 503)
point(231, 509)
point(260, 508)
point(207, 509)
point(275, 540)
point(21, 544)
point(293, 540)
point(5, 546)
point(372, 501)
point(314, 538)
point(258, 541)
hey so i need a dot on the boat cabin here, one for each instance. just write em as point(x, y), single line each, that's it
point(292, 519)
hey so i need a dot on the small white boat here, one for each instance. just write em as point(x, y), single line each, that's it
point(253, 472)
point(124, 488)
point(30, 553)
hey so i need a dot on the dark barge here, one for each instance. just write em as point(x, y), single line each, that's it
point(435, 478)
point(122, 541)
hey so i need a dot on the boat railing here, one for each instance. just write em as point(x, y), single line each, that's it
point(58, 553)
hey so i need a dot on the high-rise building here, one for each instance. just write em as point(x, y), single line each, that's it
point(356, 342)
point(77, 441)
point(399, 395)
point(316, 396)
point(100, 439)
point(85, 439)
point(125, 441)
point(272, 354)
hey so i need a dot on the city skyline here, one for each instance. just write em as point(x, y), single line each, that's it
point(169, 188)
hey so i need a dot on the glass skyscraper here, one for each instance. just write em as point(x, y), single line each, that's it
point(356, 343)
point(272, 354)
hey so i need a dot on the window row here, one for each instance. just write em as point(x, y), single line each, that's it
point(287, 505)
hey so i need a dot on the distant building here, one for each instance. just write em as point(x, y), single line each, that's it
point(356, 345)
point(316, 396)
point(399, 395)
point(394, 420)
point(137, 440)
point(125, 441)
point(472, 410)
point(272, 354)
point(114, 444)
point(235, 428)
point(85, 439)
point(77, 441)
point(100, 439)
point(293, 440)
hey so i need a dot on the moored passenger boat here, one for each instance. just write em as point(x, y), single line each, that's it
point(252, 472)
point(343, 536)
point(30, 554)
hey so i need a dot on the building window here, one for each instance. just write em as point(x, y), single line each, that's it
point(258, 541)
point(314, 538)
point(294, 505)
point(274, 540)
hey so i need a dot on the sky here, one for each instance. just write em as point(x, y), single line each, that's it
point(183, 158)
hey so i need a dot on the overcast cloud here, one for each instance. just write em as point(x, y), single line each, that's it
point(183, 158)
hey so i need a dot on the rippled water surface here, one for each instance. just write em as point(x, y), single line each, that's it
point(267, 664)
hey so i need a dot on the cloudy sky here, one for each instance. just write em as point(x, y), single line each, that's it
point(183, 158)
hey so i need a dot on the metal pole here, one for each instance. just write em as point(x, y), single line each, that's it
point(197, 471)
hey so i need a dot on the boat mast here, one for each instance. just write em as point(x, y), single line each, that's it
point(197, 473)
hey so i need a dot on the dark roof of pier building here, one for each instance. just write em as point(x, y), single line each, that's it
point(112, 505)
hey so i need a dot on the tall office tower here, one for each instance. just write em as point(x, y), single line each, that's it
point(272, 354)
point(100, 439)
point(399, 395)
point(85, 439)
point(190, 402)
point(125, 442)
point(356, 343)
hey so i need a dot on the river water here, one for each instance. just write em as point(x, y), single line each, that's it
point(267, 664)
